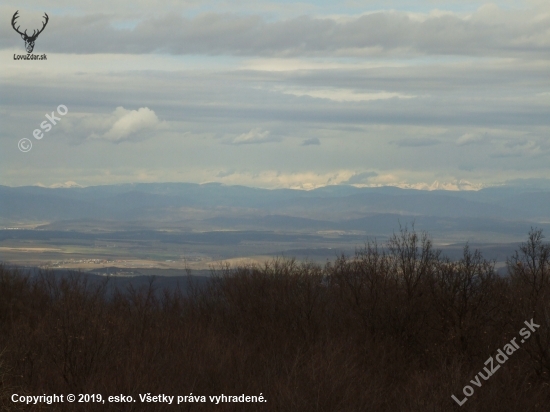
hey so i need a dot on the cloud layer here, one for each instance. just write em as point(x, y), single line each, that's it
point(489, 31)
point(274, 94)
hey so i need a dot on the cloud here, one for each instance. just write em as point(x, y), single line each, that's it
point(311, 142)
point(361, 178)
point(484, 71)
point(254, 136)
point(343, 95)
point(65, 185)
point(456, 185)
point(225, 173)
point(127, 124)
point(310, 180)
point(277, 179)
point(522, 147)
point(416, 142)
point(489, 31)
point(470, 138)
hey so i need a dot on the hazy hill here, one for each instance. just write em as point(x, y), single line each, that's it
point(334, 203)
point(201, 213)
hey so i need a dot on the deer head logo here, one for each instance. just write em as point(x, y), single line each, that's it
point(29, 40)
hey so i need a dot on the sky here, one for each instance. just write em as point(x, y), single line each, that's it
point(276, 94)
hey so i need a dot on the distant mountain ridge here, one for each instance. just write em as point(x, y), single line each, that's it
point(169, 201)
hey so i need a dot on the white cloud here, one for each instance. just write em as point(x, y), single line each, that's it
point(255, 136)
point(308, 180)
point(346, 95)
point(361, 178)
point(69, 184)
point(276, 179)
point(127, 124)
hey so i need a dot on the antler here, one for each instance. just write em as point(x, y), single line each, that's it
point(34, 33)
point(15, 17)
point(43, 25)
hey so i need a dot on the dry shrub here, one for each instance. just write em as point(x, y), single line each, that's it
point(396, 327)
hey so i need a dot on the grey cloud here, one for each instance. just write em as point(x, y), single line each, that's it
point(429, 78)
point(311, 142)
point(232, 98)
point(528, 147)
point(455, 98)
point(225, 173)
point(517, 34)
point(415, 142)
point(471, 139)
point(466, 167)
